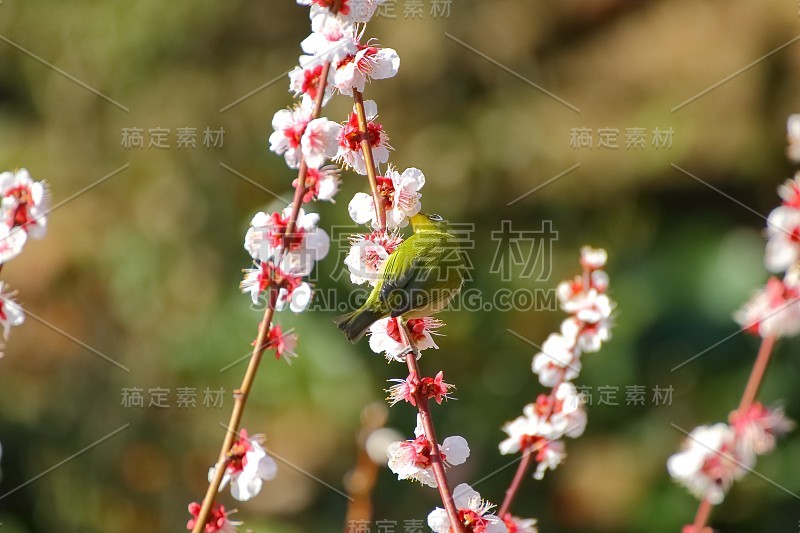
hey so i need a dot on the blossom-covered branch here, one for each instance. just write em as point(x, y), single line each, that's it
point(715, 456)
point(538, 432)
point(284, 246)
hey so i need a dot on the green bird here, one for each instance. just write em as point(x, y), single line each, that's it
point(417, 280)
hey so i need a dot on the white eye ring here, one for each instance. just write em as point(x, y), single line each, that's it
point(436, 218)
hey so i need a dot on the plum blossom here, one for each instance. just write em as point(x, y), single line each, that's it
point(368, 254)
point(411, 459)
point(385, 336)
point(349, 138)
point(515, 524)
point(369, 63)
point(320, 183)
point(265, 275)
point(289, 126)
point(709, 462)
point(332, 38)
point(319, 141)
point(558, 361)
point(217, 521)
point(548, 419)
point(406, 390)
point(473, 512)
point(567, 416)
point(267, 239)
point(12, 240)
point(400, 194)
point(11, 313)
point(358, 11)
point(284, 343)
point(304, 80)
point(758, 427)
point(789, 191)
point(773, 310)
point(24, 204)
point(548, 457)
point(593, 258)
point(248, 467)
point(783, 232)
point(296, 300)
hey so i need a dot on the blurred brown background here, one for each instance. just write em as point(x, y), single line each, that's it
point(144, 267)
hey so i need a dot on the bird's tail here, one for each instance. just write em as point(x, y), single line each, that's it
point(355, 324)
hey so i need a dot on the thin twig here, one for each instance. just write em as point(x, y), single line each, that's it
point(369, 161)
point(259, 346)
point(701, 518)
point(430, 433)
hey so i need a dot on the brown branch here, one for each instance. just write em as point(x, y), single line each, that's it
point(243, 392)
point(512, 490)
point(430, 433)
point(240, 396)
point(411, 359)
point(369, 161)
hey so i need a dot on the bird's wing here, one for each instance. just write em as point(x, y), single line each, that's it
point(406, 286)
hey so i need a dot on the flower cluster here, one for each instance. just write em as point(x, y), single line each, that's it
point(713, 457)
point(774, 310)
point(24, 205)
point(560, 413)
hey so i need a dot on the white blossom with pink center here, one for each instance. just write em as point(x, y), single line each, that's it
point(567, 416)
point(349, 137)
point(247, 469)
point(593, 258)
point(331, 39)
point(297, 300)
point(24, 208)
point(773, 310)
point(267, 239)
point(368, 254)
point(558, 361)
point(369, 63)
point(411, 459)
point(515, 524)
point(548, 457)
point(358, 11)
point(758, 428)
point(321, 183)
point(319, 141)
point(304, 80)
point(385, 336)
point(399, 192)
point(472, 510)
point(709, 462)
point(783, 232)
point(289, 126)
point(11, 313)
point(12, 241)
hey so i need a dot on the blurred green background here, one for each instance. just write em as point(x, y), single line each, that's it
point(144, 267)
